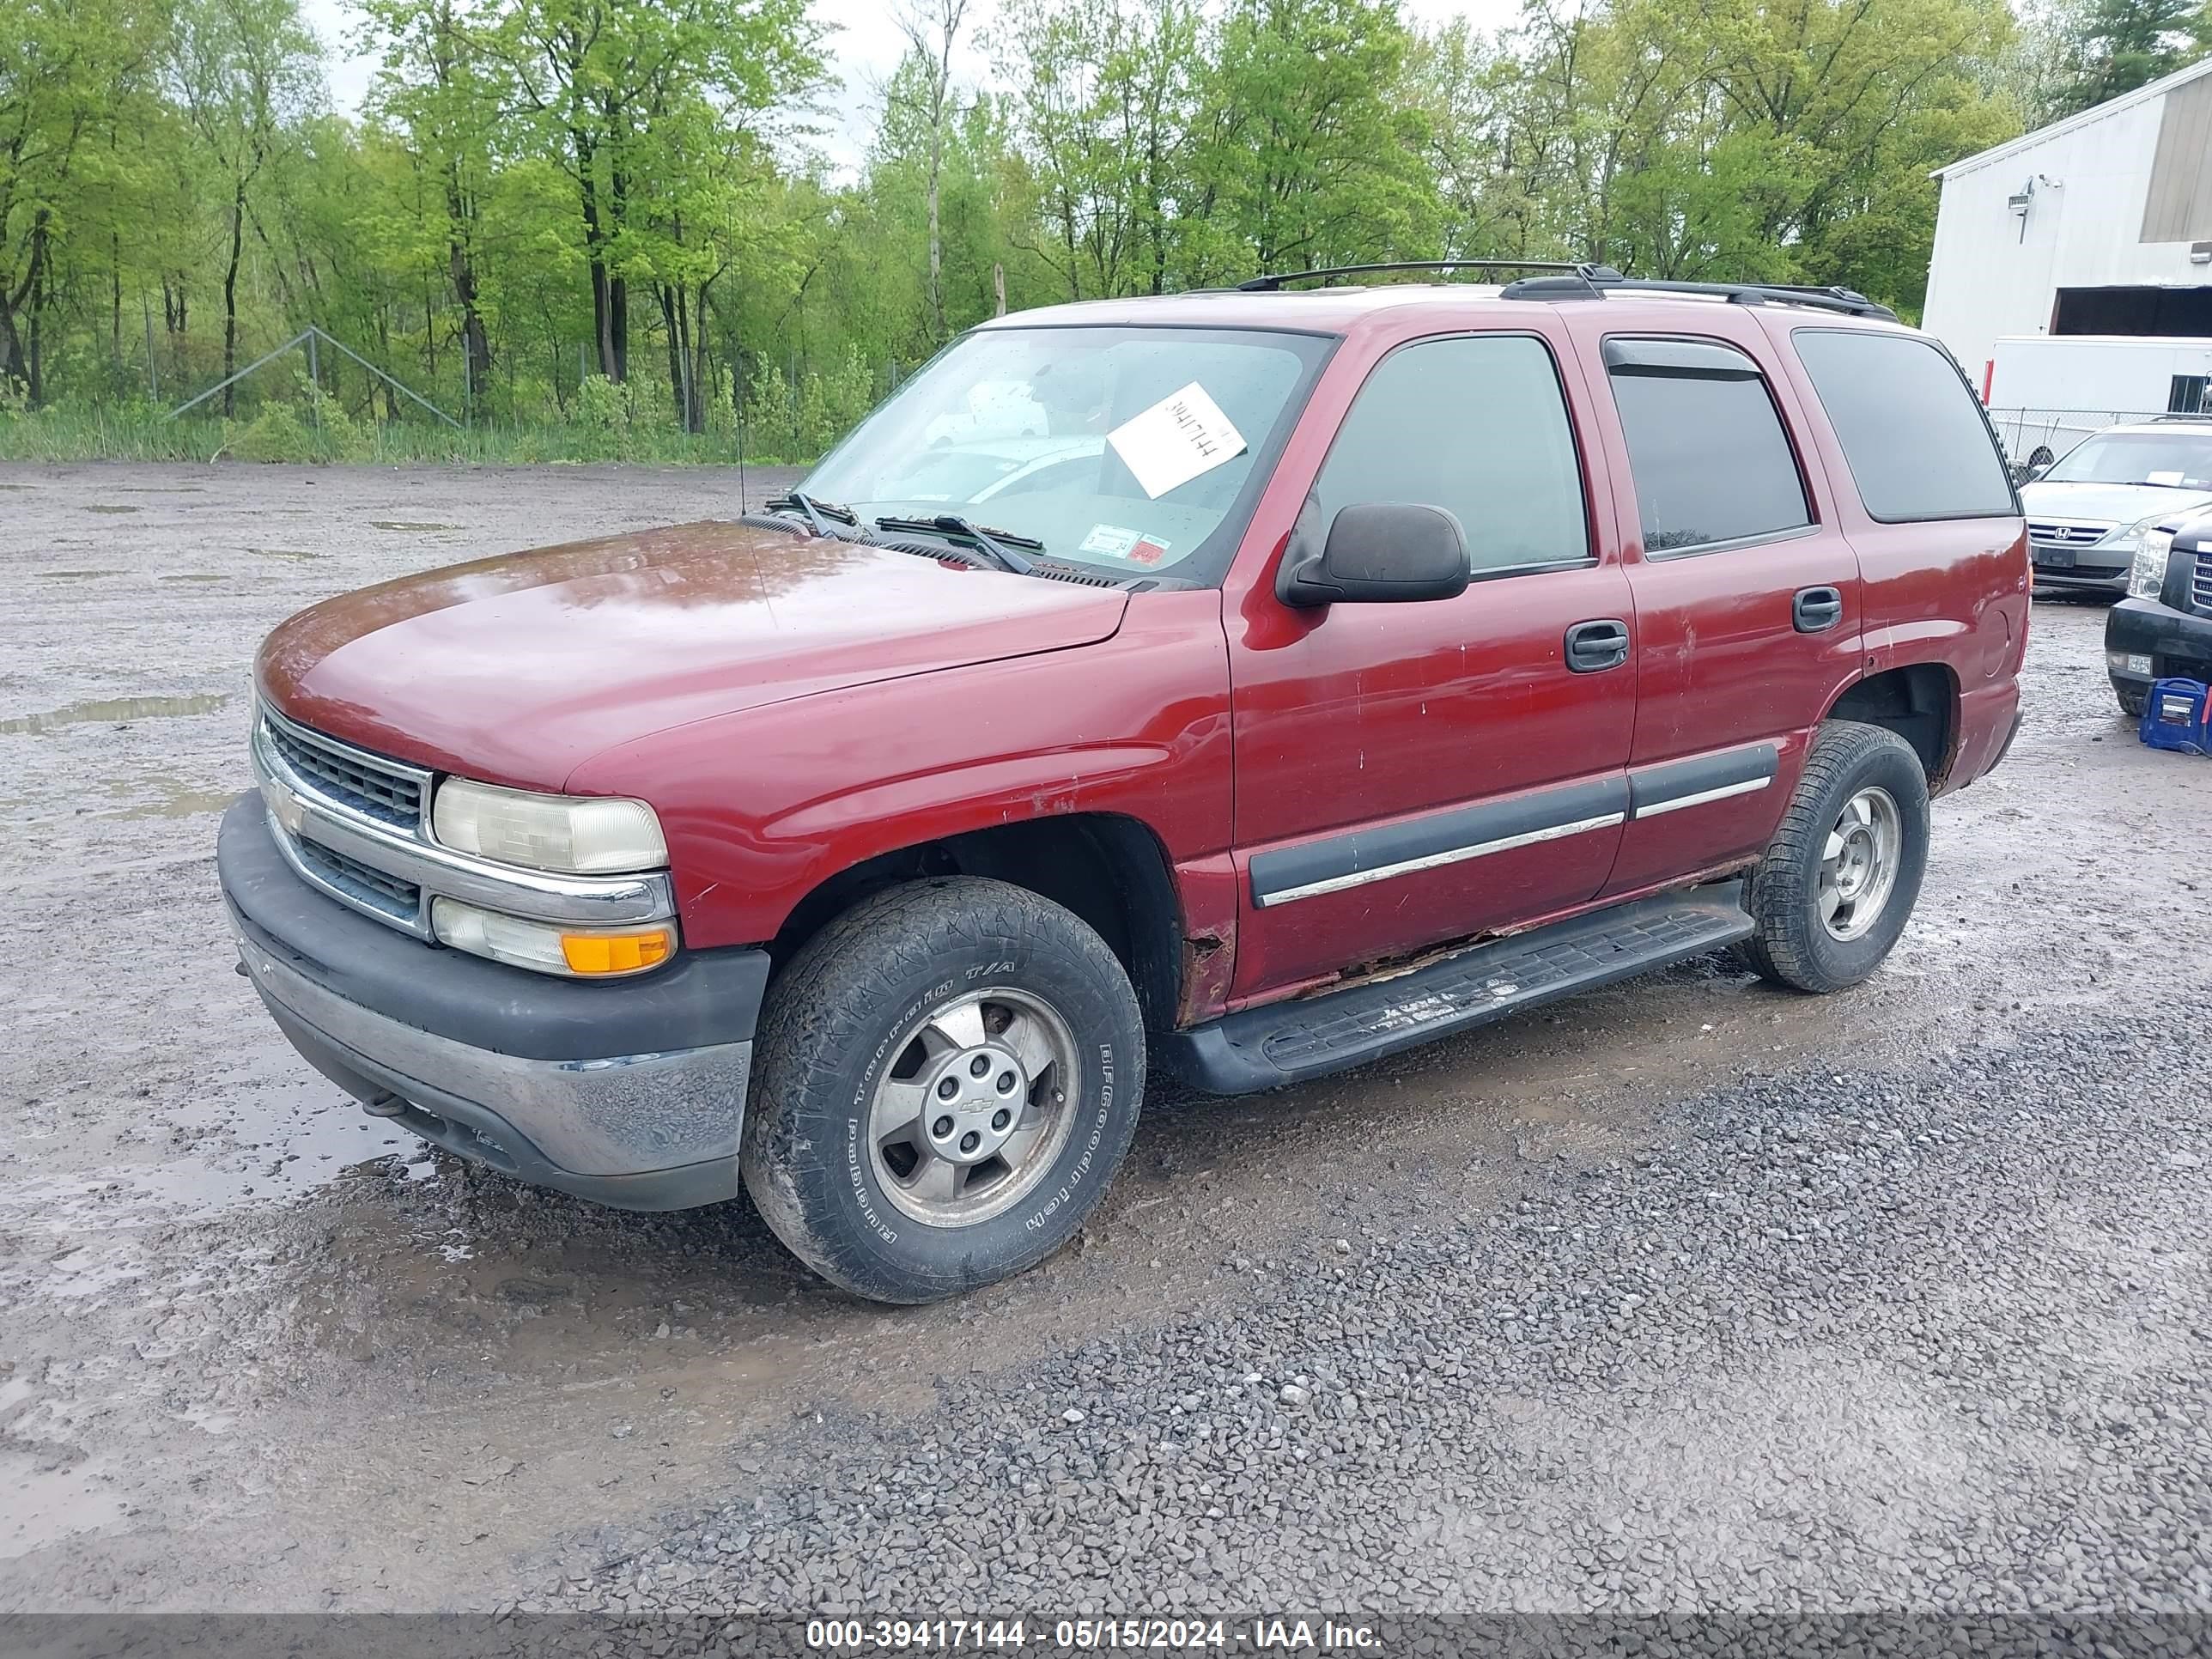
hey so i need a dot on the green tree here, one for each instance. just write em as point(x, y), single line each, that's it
point(72, 73)
point(608, 90)
point(1308, 153)
point(933, 28)
point(2106, 47)
point(244, 70)
point(441, 88)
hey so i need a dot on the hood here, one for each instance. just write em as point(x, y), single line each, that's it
point(516, 670)
point(2116, 504)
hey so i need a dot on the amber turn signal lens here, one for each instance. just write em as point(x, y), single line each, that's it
point(615, 953)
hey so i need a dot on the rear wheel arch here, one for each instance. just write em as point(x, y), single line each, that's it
point(1919, 701)
point(1109, 870)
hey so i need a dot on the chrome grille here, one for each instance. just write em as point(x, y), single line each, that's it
point(402, 901)
point(2200, 585)
point(350, 776)
point(2068, 535)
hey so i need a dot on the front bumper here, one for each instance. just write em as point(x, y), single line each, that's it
point(2113, 584)
point(2176, 644)
point(630, 1093)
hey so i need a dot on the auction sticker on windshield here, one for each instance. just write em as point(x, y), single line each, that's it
point(1176, 440)
point(1115, 541)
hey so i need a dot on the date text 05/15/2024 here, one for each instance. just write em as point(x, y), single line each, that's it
point(1091, 1635)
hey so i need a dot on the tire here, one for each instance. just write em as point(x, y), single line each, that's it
point(2132, 700)
point(1801, 942)
point(850, 1039)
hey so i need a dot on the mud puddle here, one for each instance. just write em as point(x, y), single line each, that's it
point(50, 1496)
point(176, 799)
point(115, 710)
point(259, 1142)
point(180, 802)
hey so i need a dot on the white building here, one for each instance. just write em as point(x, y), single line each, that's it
point(2099, 225)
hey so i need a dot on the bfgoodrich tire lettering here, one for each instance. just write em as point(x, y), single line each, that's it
point(844, 1017)
point(1861, 805)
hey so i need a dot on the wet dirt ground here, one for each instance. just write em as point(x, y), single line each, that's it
point(259, 1350)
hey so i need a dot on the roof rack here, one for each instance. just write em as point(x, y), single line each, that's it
point(1567, 279)
point(1595, 282)
point(1273, 282)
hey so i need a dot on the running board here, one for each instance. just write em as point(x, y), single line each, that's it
point(1281, 1043)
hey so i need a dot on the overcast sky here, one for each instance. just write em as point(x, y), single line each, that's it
point(866, 49)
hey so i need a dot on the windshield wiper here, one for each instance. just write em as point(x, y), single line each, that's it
point(998, 544)
point(818, 513)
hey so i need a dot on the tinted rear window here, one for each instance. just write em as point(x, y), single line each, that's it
point(1917, 443)
point(1712, 464)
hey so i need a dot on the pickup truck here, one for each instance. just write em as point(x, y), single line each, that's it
point(1238, 685)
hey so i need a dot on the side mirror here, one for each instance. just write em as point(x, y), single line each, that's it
point(1376, 550)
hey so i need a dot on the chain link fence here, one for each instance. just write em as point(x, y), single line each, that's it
point(315, 397)
point(2023, 431)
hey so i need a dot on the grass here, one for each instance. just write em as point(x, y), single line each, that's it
point(283, 432)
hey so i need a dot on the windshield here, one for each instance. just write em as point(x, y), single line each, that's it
point(1135, 449)
point(2179, 460)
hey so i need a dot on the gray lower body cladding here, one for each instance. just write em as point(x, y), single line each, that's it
point(630, 1093)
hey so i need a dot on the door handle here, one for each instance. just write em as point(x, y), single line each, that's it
point(1594, 647)
point(1816, 610)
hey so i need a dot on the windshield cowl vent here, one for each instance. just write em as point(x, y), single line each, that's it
point(937, 550)
point(773, 521)
point(1060, 573)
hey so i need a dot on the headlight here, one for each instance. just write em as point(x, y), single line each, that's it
point(548, 947)
point(2133, 534)
point(584, 836)
point(2147, 576)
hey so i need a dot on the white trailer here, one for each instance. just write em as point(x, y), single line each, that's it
point(2055, 390)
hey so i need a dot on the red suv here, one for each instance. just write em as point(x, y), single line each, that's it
point(1243, 684)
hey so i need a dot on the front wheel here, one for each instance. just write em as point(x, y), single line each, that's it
point(2134, 699)
point(1839, 879)
point(947, 1077)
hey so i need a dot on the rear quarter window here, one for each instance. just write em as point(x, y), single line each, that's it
point(1909, 425)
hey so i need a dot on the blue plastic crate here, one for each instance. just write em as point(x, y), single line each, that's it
point(2178, 715)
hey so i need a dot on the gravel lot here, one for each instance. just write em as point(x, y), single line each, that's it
point(1686, 1296)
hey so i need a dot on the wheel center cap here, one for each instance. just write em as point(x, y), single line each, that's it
point(1856, 859)
point(976, 1100)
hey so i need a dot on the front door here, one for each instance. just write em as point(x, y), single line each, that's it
point(1410, 773)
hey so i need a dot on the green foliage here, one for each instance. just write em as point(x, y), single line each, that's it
point(2099, 49)
point(601, 406)
point(591, 228)
point(804, 419)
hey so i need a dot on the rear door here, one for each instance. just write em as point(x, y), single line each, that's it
point(1409, 774)
point(1926, 500)
point(1745, 590)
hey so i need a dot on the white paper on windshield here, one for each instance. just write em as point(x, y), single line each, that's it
point(2163, 478)
point(1177, 438)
